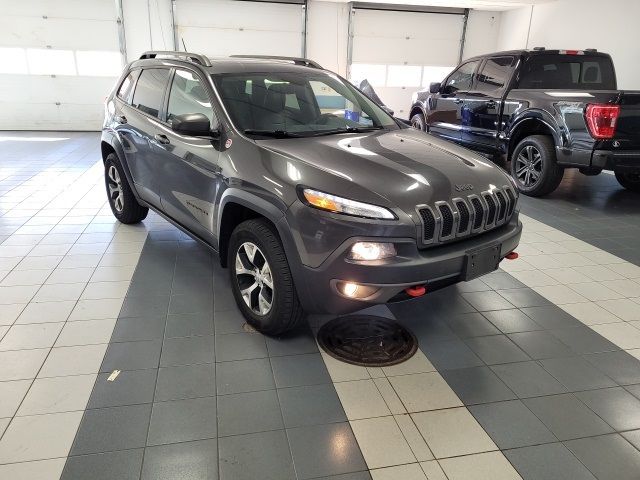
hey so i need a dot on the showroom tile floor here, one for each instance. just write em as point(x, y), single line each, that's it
point(123, 355)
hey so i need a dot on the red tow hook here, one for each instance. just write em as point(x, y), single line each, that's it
point(416, 291)
point(512, 256)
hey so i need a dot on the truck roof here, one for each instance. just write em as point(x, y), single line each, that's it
point(541, 51)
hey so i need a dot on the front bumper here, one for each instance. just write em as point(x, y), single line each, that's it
point(620, 161)
point(434, 267)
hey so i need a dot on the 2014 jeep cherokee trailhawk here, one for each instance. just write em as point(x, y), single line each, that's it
point(314, 197)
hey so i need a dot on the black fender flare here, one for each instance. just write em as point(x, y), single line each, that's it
point(111, 138)
point(535, 115)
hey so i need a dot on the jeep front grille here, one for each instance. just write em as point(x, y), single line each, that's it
point(463, 217)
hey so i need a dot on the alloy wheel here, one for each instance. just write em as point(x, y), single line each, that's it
point(529, 166)
point(115, 188)
point(254, 278)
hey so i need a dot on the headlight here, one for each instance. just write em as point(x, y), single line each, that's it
point(332, 203)
point(372, 251)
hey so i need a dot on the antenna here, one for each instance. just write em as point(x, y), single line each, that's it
point(185, 47)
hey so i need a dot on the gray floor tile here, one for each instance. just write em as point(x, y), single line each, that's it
point(547, 462)
point(616, 406)
point(620, 366)
point(188, 381)
point(189, 324)
point(132, 329)
point(576, 373)
point(584, 340)
point(633, 437)
point(196, 460)
point(471, 325)
point(485, 301)
point(511, 424)
point(450, 355)
point(310, 405)
point(189, 282)
point(496, 349)
point(528, 379)
point(567, 417)
point(609, 457)
point(182, 421)
point(634, 390)
point(132, 356)
point(294, 343)
point(129, 388)
point(541, 344)
point(240, 346)
point(348, 476)
point(551, 316)
point(249, 413)
point(501, 280)
point(191, 303)
point(477, 385)
point(511, 321)
point(427, 329)
point(145, 305)
point(297, 370)
point(228, 321)
point(188, 351)
point(313, 449)
point(114, 428)
point(524, 297)
point(244, 376)
point(123, 465)
point(258, 455)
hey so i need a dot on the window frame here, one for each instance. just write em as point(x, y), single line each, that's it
point(473, 74)
point(215, 125)
point(507, 80)
point(136, 72)
point(163, 104)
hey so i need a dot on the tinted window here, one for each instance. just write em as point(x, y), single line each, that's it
point(461, 78)
point(126, 87)
point(495, 73)
point(568, 72)
point(187, 95)
point(150, 90)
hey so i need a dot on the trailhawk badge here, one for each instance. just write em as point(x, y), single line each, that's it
point(464, 187)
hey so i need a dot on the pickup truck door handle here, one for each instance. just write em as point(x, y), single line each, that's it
point(121, 119)
point(491, 103)
point(458, 101)
point(161, 139)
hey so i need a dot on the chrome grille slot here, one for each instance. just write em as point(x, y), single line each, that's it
point(465, 216)
point(447, 220)
point(502, 206)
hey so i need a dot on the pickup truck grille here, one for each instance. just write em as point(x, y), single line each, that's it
point(464, 217)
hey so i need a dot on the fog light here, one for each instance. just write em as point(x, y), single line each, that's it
point(372, 251)
point(350, 289)
point(355, 290)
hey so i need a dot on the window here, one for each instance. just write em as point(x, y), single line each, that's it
point(495, 73)
point(44, 61)
point(376, 75)
point(188, 96)
point(552, 71)
point(124, 92)
point(404, 76)
point(150, 91)
point(462, 78)
point(98, 63)
point(14, 60)
point(432, 74)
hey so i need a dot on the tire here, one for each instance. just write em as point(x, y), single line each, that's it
point(630, 181)
point(122, 201)
point(418, 122)
point(536, 155)
point(284, 311)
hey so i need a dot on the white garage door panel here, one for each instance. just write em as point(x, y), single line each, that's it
point(385, 51)
point(50, 117)
point(60, 33)
point(80, 9)
point(63, 89)
point(228, 27)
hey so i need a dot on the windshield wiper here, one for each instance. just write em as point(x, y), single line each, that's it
point(272, 133)
point(334, 131)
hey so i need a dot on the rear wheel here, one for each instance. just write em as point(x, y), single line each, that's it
point(261, 280)
point(630, 181)
point(534, 167)
point(418, 122)
point(122, 201)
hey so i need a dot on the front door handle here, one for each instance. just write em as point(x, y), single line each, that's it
point(491, 103)
point(458, 101)
point(161, 139)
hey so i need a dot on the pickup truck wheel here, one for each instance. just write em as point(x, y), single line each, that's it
point(122, 201)
point(534, 167)
point(261, 280)
point(630, 181)
point(418, 122)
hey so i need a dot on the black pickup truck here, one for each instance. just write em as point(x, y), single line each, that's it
point(542, 111)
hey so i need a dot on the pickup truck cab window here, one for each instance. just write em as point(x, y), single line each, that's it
point(462, 78)
point(568, 72)
point(495, 74)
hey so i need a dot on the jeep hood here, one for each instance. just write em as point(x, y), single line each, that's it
point(400, 168)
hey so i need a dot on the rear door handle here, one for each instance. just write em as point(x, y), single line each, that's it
point(458, 101)
point(121, 119)
point(161, 139)
point(491, 103)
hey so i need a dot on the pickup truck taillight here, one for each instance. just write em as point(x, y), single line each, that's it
point(602, 119)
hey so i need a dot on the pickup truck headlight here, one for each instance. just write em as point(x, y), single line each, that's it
point(333, 203)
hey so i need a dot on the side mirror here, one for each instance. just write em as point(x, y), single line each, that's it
point(193, 124)
point(434, 87)
point(387, 109)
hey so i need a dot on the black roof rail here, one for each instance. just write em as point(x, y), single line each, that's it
point(590, 49)
point(305, 62)
point(538, 49)
point(193, 57)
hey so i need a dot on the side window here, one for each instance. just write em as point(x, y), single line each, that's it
point(461, 78)
point(126, 87)
point(495, 74)
point(150, 89)
point(187, 95)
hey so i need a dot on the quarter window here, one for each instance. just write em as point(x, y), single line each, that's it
point(124, 92)
point(462, 78)
point(150, 89)
point(188, 96)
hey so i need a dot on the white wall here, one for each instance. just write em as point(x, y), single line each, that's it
point(147, 26)
point(578, 24)
point(327, 34)
point(483, 28)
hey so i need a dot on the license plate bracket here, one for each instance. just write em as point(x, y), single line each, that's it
point(481, 261)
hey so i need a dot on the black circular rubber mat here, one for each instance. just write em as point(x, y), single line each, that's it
point(367, 341)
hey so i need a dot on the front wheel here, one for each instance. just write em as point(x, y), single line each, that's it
point(261, 280)
point(630, 181)
point(418, 122)
point(534, 167)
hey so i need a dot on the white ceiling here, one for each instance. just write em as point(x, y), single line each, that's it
point(477, 4)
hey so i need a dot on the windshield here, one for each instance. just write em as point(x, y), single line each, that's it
point(585, 72)
point(285, 104)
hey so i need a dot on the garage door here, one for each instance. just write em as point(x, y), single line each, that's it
point(58, 61)
point(399, 52)
point(228, 27)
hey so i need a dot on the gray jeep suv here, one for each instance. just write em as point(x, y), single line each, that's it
point(314, 197)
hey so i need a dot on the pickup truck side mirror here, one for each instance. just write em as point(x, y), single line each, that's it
point(434, 87)
point(193, 124)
